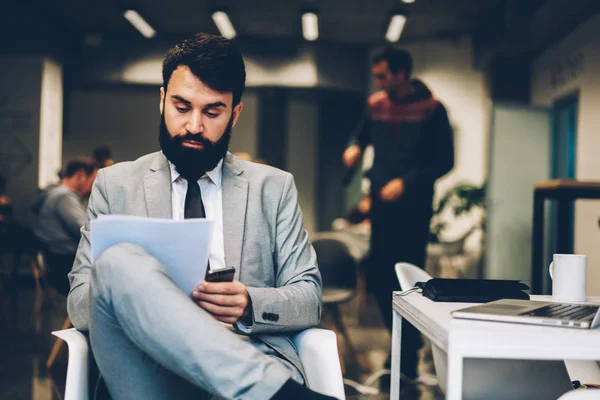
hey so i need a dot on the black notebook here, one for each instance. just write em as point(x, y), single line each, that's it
point(473, 290)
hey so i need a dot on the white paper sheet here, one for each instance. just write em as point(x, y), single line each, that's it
point(181, 246)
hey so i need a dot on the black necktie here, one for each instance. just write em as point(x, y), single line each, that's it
point(194, 207)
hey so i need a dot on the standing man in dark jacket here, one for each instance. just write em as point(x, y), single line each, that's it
point(413, 144)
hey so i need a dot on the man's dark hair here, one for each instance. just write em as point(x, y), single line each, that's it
point(102, 153)
point(82, 163)
point(398, 60)
point(213, 59)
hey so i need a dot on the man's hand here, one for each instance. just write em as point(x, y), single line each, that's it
point(393, 190)
point(226, 301)
point(351, 155)
point(364, 205)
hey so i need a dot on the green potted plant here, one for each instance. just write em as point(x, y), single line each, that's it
point(460, 200)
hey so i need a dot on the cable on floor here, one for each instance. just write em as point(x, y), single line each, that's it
point(367, 387)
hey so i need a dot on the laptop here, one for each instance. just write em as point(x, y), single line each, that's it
point(566, 315)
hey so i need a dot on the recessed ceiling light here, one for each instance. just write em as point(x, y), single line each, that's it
point(396, 26)
point(139, 23)
point(224, 24)
point(310, 25)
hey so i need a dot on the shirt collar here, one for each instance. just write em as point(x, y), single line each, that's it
point(215, 175)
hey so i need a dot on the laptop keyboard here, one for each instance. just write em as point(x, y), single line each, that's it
point(564, 311)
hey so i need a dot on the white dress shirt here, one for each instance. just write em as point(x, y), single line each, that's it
point(212, 197)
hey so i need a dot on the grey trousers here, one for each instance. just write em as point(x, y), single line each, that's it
point(151, 341)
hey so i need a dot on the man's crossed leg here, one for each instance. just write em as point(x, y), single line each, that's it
point(151, 341)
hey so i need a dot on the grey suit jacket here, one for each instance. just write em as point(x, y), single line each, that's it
point(264, 239)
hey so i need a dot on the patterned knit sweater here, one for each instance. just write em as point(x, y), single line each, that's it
point(412, 139)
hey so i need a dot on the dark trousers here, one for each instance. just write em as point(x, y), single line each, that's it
point(399, 233)
point(59, 265)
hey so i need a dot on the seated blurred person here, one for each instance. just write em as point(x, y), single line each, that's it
point(60, 215)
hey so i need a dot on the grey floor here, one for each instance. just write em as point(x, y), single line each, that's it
point(27, 318)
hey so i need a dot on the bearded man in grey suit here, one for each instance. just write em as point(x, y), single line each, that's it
point(230, 339)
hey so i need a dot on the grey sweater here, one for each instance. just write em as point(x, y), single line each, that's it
point(61, 215)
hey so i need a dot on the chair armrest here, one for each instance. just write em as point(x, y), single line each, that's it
point(318, 352)
point(76, 387)
point(317, 349)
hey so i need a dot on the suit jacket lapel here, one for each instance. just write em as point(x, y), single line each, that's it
point(235, 199)
point(157, 189)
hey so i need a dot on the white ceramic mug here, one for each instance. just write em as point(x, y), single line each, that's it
point(568, 273)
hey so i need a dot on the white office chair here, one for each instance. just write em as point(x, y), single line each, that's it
point(581, 394)
point(408, 275)
point(585, 372)
point(317, 349)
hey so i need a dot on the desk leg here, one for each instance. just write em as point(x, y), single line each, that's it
point(537, 241)
point(564, 242)
point(396, 341)
point(455, 375)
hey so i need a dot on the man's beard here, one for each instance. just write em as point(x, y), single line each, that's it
point(193, 163)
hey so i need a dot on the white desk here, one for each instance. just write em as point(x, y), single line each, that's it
point(461, 339)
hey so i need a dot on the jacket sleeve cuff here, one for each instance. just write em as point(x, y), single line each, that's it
point(264, 311)
point(245, 326)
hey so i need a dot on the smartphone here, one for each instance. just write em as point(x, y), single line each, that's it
point(220, 275)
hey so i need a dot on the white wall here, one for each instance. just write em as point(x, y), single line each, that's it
point(583, 41)
point(299, 70)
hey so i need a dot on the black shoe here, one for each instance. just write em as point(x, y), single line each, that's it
point(409, 391)
point(292, 390)
point(384, 383)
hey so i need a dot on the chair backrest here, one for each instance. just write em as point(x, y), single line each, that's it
point(19, 239)
point(29, 242)
point(338, 267)
point(409, 274)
